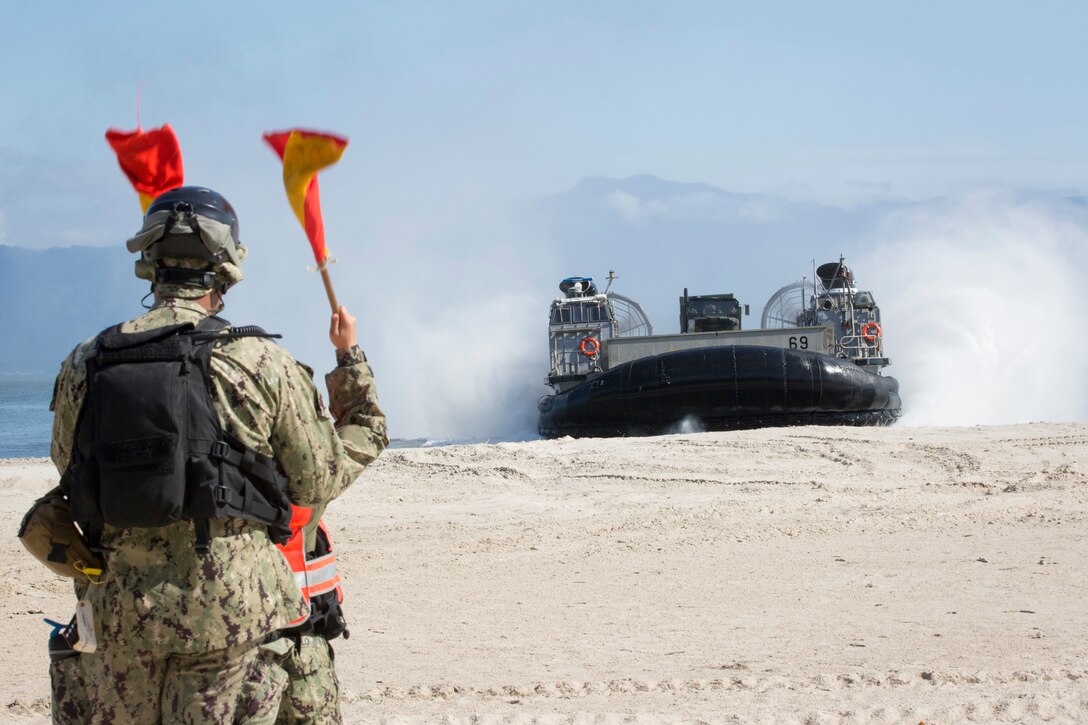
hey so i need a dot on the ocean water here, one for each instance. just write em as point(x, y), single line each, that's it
point(25, 420)
point(26, 424)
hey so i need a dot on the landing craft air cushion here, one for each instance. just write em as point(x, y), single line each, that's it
point(813, 361)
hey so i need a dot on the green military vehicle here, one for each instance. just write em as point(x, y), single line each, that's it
point(710, 313)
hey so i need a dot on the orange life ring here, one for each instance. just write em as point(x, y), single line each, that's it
point(871, 332)
point(590, 344)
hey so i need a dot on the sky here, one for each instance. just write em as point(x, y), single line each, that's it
point(464, 115)
point(450, 102)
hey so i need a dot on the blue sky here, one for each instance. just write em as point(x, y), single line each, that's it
point(450, 103)
point(465, 116)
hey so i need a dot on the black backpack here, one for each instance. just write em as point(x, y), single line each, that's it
point(149, 448)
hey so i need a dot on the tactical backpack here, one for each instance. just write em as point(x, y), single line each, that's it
point(149, 449)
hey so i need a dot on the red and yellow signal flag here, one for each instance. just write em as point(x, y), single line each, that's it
point(150, 159)
point(304, 153)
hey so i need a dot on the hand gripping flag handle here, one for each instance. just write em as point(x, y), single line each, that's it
point(304, 153)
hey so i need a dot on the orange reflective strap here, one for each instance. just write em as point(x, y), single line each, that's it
point(300, 516)
point(313, 577)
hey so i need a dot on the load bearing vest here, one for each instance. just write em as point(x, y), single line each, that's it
point(315, 576)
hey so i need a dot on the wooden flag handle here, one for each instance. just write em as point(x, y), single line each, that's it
point(328, 288)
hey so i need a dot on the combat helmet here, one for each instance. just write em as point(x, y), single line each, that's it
point(189, 242)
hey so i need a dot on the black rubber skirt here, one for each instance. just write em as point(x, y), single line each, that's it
point(721, 388)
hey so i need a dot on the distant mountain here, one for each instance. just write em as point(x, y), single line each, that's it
point(52, 299)
point(658, 235)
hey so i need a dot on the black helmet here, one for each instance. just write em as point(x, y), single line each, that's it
point(190, 222)
point(200, 200)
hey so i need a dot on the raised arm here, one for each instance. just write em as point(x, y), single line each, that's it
point(353, 400)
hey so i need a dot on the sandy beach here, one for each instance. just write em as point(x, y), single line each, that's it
point(787, 575)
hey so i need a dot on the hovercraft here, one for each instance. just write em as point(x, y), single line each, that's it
point(816, 360)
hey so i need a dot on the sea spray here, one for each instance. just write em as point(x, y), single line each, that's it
point(984, 308)
point(689, 424)
point(468, 370)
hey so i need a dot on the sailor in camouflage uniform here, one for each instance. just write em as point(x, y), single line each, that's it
point(188, 638)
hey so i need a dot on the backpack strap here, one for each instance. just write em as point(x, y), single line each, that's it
point(260, 495)
point(233, 451)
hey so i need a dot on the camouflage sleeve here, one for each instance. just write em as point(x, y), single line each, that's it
point(306, 444)
point(354, 404)
point(68, 391)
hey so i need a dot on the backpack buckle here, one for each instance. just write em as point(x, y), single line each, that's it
point(220, 449)
point(222, 495)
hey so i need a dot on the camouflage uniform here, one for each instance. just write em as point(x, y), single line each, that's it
point(179, 634)
point(313, 693)
point(68, 688)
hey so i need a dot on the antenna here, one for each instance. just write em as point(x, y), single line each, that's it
point(849, 295)
point(611, 277)
point(815, 291)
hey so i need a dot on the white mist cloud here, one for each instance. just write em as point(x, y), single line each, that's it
point(629, 206)
point(452, 313)
point(469, 367)
point(691, 205)
point(983, 298)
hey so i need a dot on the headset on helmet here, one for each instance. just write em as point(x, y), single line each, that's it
point(189, 238)
point(200, 201)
